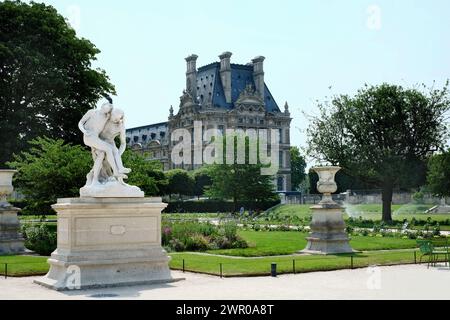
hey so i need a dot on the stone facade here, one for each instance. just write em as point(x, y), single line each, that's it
point(223, 96)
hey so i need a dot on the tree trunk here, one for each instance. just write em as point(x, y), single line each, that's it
point(387, 201)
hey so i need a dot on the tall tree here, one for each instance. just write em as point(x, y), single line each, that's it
point(240, 182)
point(46, 79)
point(383, 134)
point(48, 170)
point(438, 177)
point(180, 182)
point(298, 165)
point(202, 180)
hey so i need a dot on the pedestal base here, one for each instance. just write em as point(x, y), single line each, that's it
point(328, 234)
point(327, 246)
point(107, 242)
point(11, 240)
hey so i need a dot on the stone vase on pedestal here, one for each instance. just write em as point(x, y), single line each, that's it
point(328, 234)
point(11, 240)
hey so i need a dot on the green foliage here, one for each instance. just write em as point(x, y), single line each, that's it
point(201, 181)
point(180, 182)
point(46, 79)
point(145, 174)
point(39, 238)
point(298, 165)
point(218, 205)
point(50, 169)
point(240, 182)
point(438, 177)
point(383, 135)
point(418, 197)
point(343, 179)
point(195, 236)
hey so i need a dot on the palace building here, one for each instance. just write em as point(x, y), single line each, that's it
point(221, 95)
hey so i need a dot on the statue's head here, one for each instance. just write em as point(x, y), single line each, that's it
point(117, 116)
point(106, 107)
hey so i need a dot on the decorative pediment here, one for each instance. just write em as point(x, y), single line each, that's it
point(249, 96)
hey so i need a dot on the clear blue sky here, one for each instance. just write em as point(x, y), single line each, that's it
point(309, 46)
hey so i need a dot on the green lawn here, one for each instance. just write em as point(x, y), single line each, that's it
point(261, 266)
point(23, 265)
point(269, 243)
point(232, 266)
point(366, 211)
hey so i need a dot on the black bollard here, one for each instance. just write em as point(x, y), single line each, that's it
point(273, 269)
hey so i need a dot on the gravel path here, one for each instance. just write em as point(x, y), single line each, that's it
point(393, 282)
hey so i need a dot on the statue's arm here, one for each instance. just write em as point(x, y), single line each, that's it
point(83, 121)
point(123, 141)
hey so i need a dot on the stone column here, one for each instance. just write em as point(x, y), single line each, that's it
point(11, 240)
point(225, 74)
point(328, 234)
point(191, 75)
point(258, 75)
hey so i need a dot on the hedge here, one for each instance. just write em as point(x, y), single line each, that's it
point(216, 206)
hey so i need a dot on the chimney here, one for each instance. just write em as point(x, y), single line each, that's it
point(225, 74)
point(191, 75)
point(258, 75)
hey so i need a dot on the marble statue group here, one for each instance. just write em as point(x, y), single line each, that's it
point(100, 127)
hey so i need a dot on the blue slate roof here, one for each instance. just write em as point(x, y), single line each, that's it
point(210, 89)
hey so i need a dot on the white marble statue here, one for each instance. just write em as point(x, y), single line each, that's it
point(100, 127)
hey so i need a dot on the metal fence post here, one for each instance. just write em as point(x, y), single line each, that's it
point(273, 269)
point(415, 257)
point(293, 265)
point(183, 265)
point(6, 270)
point(351, 262)
point(220, 270)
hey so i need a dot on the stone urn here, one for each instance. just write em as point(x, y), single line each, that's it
point(11, 240)
point(326, 183)
point(6, 187)
point(328, 234)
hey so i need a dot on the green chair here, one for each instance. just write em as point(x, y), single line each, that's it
point(426, 249)
point(433, 249)
point(440, 247)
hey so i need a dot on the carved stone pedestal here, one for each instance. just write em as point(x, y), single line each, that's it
point(11, 240)
point(107, 242)
point(328, 234)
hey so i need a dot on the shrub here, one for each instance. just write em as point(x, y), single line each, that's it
point(39, 239)
point(197, 242)
point(176, 245)
point(195, 236)
point(230, 230)
point(418, 197)
point(240, 243)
